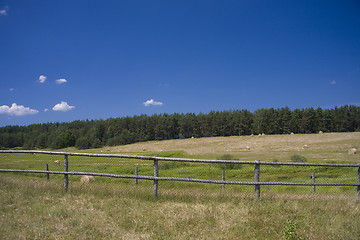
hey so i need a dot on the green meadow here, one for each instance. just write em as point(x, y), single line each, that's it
point(113, 208)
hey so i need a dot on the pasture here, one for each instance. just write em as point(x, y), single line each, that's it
point(34, 208)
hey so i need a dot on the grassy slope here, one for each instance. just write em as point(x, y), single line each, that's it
point(321, 147)
point(32, 208)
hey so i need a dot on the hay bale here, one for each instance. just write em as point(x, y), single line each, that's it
point(320, 132)
point(352, 151)
point(292, 133)
point(87, 179)
point(305, 146)
point(263, 134)
point(248, 148)
point(57, 162)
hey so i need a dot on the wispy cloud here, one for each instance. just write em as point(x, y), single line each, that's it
point(11, 89)
point(4, 11)
point(333, 82)
point(151, 102)
point(61, 80)
point(17, 110)
point(42, 78)
point(63, 107)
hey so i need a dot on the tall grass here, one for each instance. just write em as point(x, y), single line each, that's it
point(36, 209)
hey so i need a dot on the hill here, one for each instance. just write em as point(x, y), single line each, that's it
point(329, 147)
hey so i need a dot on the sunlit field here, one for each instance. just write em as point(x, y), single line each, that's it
point(33, 207)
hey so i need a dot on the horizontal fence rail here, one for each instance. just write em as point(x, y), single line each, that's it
point(257, 183)
point(178, 159)
point(179, 179)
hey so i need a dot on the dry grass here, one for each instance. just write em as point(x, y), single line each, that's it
point(321, 147)
point(36, 209)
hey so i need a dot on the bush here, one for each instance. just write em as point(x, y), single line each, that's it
point(57, 143)
point(172, 165)
point(228, 165)
point(275, 161)
point(289, 231)
point(298, 158)
point(96, 143)
point(83, 143)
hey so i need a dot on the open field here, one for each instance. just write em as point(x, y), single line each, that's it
point(327, 147)
point(33, 208)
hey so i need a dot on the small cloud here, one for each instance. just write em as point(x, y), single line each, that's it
point(152, 102)
point(42, 78)
point(4, 11)
point(333, 82)
point(11, 89)
point(45, 110)
point(61, 80)
point(63, 106)
point(17, 110)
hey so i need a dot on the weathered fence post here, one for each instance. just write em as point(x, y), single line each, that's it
point(156, 174)
point(66, 169)
point(223, 178)
point(313, 180)
point(47, 174)
point(136, 174)
point(358, 187)
point(257, 178)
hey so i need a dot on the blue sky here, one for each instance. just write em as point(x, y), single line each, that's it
point(74, 60)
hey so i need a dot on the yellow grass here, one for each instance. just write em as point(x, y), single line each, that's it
point(321, 147)
point(36, 209)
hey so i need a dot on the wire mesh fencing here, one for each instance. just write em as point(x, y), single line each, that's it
point(161, 176)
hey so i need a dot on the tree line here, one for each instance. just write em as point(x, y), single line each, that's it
point(125, 130)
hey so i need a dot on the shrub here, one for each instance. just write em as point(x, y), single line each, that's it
point(298, 158)
point(228, 165)
point(275, 161)
point(83, 143)
point(96, 143)
point(289, 231)
point(172, 165)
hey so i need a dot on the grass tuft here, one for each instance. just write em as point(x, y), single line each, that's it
point(298, 158)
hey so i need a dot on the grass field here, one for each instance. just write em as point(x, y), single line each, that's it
point(34, 208)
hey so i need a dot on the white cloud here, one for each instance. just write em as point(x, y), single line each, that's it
point(4, 11)
point(61, 80)
point(42, 78)
point(11, 89)
point(63, 106)
point(152, 102)
point(45, 110)
point(17, 110)
point(333, 82)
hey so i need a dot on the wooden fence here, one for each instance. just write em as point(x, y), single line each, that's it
point(257, 183)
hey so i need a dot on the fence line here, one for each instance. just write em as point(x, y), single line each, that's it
point(152, 158)
point(257, 183)
point(179, 179)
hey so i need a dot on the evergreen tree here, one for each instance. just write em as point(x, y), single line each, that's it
point(115, 131)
